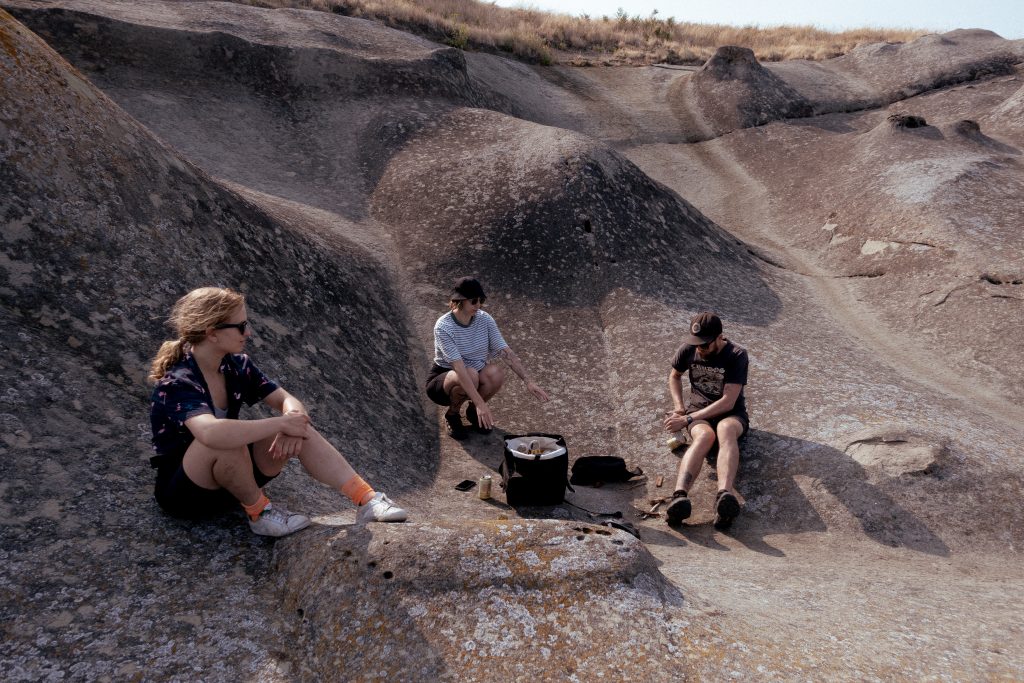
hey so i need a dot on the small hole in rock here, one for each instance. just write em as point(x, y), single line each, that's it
point(389, 575)
point(371, 564)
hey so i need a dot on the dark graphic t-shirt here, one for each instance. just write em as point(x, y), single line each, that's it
point(709, 376)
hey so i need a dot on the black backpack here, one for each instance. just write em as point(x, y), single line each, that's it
point(594, 470)
point(535, 479)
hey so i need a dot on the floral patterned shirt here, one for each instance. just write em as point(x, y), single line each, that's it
point(182, 393)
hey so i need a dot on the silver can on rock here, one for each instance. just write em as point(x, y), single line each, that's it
point(485, 487)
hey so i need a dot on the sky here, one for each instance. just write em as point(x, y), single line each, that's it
point(1005, 17)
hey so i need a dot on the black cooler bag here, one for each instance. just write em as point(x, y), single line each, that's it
point(535, 479)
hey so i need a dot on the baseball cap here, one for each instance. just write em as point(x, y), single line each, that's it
point(467, 288)
point(704, 327)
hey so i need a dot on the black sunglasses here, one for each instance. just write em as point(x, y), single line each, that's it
point(706, 345)
point(477, 301)
point(238, 326)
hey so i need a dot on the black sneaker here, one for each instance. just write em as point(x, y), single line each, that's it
point(727, 508)
point(678, 508)
point(453, 425)
point(471, 416)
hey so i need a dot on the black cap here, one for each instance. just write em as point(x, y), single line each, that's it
point(467, 288)
point(704, 327)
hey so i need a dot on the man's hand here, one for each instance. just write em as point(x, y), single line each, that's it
point(675, 421)
point(284, 447)
point(537, 391)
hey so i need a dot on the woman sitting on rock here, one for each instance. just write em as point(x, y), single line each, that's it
point(207, 459)
point(465, 340)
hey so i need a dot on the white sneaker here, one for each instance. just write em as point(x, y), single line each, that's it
point(380, 509)
point(277, 521)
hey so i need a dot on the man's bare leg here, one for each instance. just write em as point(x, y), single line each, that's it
point(727, 505)
point(729, 431)
point(692, 460)
point(689, 467)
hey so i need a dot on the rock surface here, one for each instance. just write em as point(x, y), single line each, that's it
point(482, 601)
point(732, 90)
point(341, 174)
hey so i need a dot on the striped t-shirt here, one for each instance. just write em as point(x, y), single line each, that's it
point(474, 344)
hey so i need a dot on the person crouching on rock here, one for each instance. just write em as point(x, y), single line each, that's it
point(715, 414)
point(466, 338)
point(207, 459)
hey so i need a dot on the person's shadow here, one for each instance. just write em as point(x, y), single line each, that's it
point(487, 449)
point(774, 472)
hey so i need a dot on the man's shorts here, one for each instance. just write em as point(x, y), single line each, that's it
point(712, 456)
point(180, 497)
point(435, 385)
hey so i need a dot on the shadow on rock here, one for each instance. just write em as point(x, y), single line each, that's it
point(795, 486)
point(487, 449)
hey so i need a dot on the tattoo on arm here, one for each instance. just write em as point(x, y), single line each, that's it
point(513, 362)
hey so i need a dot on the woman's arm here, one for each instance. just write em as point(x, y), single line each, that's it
point(285, 446)
point(283, 402)
point(225, 434)
point(509, 356)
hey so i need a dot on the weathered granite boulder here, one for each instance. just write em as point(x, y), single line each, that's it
point(481, 601)
point(881, 73)
point(733, 90)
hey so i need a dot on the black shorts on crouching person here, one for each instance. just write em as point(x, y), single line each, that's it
point(180, 497)
point(712, 456)
point(435, 385)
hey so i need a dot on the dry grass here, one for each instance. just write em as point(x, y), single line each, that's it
point(546, 38)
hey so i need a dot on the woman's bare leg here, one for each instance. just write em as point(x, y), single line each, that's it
point(318, 457)
point(231, 469)
point(454, 389)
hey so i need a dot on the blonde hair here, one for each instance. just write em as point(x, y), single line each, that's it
point(191, 315)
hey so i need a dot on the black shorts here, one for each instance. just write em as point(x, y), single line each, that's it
point(712, 455)
point(180, 497)
point(435, 385)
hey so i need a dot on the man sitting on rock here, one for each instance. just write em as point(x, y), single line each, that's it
point(715, 414)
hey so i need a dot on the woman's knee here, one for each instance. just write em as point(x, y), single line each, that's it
point(451, 382)
point(198, 452)
point(492, 376)
point(200, 462)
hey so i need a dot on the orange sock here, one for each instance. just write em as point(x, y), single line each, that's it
point(357, 490)
point(254, 509)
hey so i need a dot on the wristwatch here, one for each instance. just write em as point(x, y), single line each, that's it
point(689, 420)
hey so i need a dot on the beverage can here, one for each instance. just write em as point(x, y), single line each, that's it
point(485, 487)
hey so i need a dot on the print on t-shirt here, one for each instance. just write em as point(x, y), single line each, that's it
point(708, 381)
